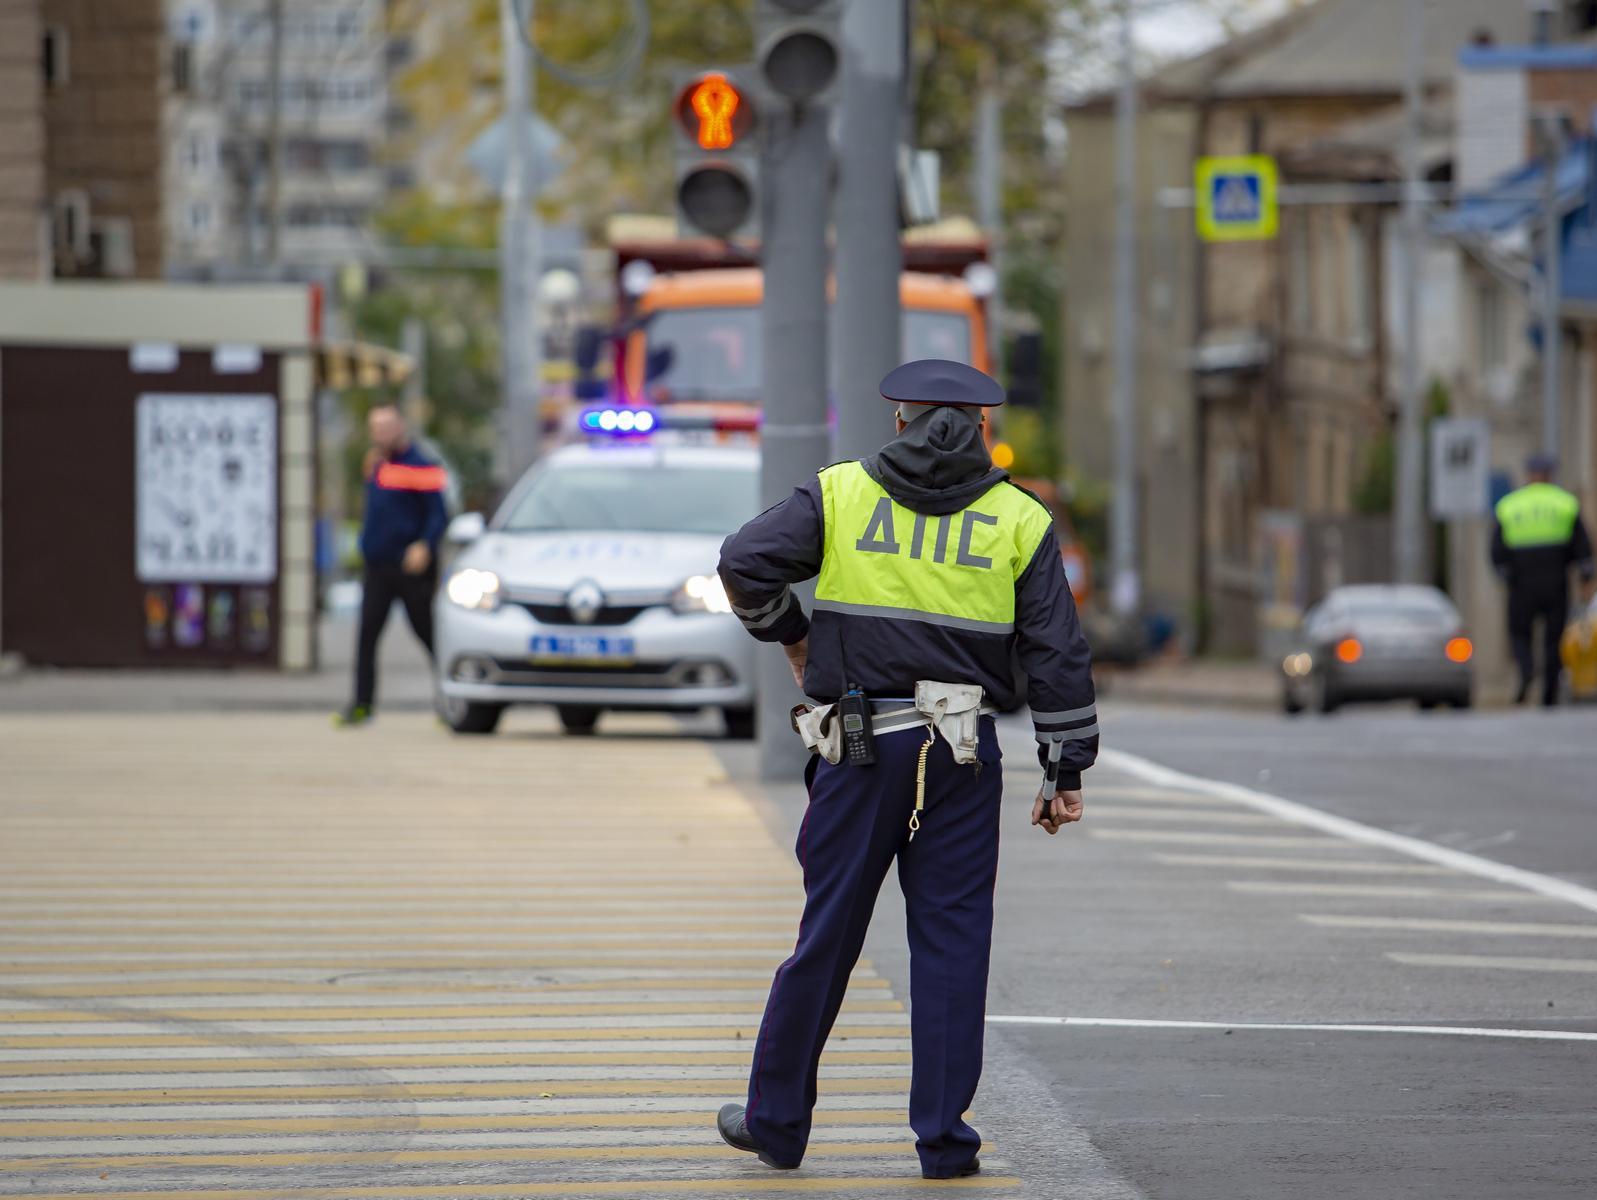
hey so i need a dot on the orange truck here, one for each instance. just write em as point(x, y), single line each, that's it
point(693, 308)
point(699, 299)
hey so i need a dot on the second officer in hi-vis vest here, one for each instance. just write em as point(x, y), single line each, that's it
point(933, 572)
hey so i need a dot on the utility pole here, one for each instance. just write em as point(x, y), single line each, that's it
point(1552, 282)
point(867, 319)
point(1125, 587)
point(989, 207)
point(413, 341)
point(795, 441)
point(274, 135)
point(1408, 534)
point(519, 248)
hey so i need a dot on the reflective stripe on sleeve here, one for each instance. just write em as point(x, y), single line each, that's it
point(754, 614)
point(1068, 735)
point(402, 477)
point(785, 602)
point(1067, 714)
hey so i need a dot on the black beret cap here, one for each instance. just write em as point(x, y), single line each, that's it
point(941, 381)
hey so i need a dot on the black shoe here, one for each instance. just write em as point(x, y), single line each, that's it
point(733, 1124)
point(1524, 692)
point(973, 1167)
point(355, 714)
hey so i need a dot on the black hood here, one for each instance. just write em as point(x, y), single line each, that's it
point(938, 465)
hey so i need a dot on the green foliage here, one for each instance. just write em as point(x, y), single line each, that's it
point(459, 313)
point(1372, 492)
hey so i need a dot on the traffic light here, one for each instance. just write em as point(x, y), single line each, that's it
point(715, 187)
point(799, 47)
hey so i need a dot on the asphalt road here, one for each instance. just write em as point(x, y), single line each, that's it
point(1172, 905)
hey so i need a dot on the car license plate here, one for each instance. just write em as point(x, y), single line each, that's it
point(583, 648)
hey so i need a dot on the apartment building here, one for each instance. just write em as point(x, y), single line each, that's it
point(224, 204)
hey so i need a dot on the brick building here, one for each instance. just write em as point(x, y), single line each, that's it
point(22, 227)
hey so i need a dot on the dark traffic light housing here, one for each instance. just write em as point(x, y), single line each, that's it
point(799, 47)
point(716, 171)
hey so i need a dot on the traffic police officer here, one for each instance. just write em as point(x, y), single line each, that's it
point(932, 567)
point(1538, 536)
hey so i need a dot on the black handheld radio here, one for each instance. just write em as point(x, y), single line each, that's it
point(859, 739)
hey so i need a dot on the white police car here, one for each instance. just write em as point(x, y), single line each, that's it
point(594, 588)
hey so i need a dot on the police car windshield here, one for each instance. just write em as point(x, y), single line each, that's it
point(715, 352)
point(627, 497)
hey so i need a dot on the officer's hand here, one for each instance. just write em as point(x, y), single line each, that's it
point(1065, 808)
point(797, 655)
point(417, 556)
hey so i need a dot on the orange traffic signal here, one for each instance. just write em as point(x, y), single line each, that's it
point(714, 101)
point(713, 113)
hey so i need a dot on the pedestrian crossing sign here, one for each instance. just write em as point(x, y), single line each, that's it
point(1237, 198)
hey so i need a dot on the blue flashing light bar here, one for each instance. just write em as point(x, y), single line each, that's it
point(619, 421)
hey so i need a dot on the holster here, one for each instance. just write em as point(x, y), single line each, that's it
point(821, 734)
point(955, 710)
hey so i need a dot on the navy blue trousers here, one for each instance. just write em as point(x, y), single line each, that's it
point(856, 824)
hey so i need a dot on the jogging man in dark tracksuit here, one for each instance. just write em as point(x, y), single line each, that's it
point(405, 519)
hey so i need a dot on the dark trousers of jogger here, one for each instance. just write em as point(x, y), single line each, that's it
point(856, 824)
point(1551, 604)
point(381, 585)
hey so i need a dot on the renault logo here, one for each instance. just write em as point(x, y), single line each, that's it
point(584, 601)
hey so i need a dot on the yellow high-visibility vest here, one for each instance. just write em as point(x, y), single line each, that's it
point(1538, 514)
point(959, 571)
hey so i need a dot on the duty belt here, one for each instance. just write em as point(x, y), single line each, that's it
point(952, 709)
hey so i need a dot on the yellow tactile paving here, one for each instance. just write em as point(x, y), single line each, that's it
point(245, 957)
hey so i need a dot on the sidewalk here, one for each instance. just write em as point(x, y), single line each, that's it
point(404, 682)
point(1195, 682)
point(252, 955)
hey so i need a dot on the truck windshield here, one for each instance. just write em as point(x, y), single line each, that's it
point(626, 497)
point(715, 352)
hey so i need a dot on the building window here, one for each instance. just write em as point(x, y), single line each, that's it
point(1357, 284)
point(1491, 332)
point(1299, 275)
point(54, 58)
point(199, 154)
point(198, 218)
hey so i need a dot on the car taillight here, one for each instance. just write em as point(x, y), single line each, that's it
point(1349, 650)
point(1459, 650)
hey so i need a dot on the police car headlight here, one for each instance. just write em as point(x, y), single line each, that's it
point(472, 588)
point(701, 593)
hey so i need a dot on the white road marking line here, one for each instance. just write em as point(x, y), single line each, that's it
point(1356, 831)
point(772, 953)
point(401, 1108)
point(400, 1138)
point(160, 1006)
point(319, 1052)
point(616, 929)
point(1355, 867)
point(1383, 891)
point(1115, 791)
point(1534, 1035)
point(1184, 816)
point(266, 1028)
point(1444, 925)
point(1242, 840)
point(1578, 966)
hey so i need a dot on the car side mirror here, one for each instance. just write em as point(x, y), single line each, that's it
point(465, 529)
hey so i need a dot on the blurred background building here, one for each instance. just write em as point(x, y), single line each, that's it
point(1269, 372)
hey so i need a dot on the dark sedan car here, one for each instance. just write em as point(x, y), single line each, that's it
point(1380, 642)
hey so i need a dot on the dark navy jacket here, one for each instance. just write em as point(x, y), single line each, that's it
point(935, 467)
point(404, 504)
